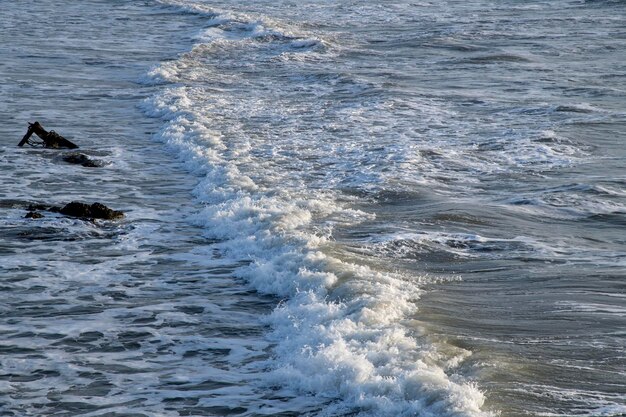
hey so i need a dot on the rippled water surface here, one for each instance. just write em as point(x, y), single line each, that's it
point(332, 208)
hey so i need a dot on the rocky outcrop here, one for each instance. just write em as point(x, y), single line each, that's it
point(33, 215)
point(94, 211)
point(84, 160)
point(49, 139)
point(76, 209)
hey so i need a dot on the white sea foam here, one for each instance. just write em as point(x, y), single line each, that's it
point(338, 332)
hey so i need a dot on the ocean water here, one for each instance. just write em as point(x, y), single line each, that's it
point(396, 208)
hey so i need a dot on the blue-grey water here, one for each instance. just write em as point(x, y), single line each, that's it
point(392, 208)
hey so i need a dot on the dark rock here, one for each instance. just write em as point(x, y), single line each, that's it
point(101, 211)
point(84, 160)
point(94, 211)
point(76, 209)
point(49, 139)
point(33, 215)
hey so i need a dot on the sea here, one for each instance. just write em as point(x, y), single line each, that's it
point(332, 208)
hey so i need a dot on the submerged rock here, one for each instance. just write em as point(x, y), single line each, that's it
point(43, 207)
point(33, 215)
point(94, 211)
point(84, 160)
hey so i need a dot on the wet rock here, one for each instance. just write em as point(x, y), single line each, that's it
point(82, 159)
point(94, 211)
point(33, 215)
point(74, 209)
point(49, 139)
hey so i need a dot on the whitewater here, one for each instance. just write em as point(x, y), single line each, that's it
point(399, 209)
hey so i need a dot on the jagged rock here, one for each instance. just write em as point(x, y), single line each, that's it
point(77, 209)
point(49, 139)
point(94, 211)
point(33, 215)
point(84, 160)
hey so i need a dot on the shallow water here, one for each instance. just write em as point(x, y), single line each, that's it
point(332, 209)
point(108, 318)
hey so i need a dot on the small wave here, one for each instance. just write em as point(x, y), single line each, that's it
point(591, 308)
point(596, 202)
point(244, 26)
point(583, 108)
point(588, 403)
point(497, 58)
point(614, 218)
point(409, 245)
